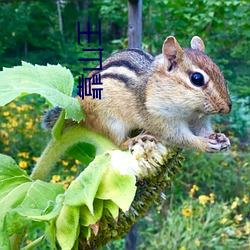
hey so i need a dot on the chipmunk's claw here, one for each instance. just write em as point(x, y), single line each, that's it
point(218, 142)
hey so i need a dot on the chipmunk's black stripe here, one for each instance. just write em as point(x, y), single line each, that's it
point(119, 77)
point(122, 63)
point(143, 53)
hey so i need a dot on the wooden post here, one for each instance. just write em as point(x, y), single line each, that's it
point(131, 238)
point(134, 23)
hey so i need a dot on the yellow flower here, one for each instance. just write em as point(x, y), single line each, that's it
point(235, 203)
point(187, 211)
point(182, 248)
point(6, 141)
point(211, 195)
point(65, 185)
point(20, 108)
point(197, 242)
point(35, 159)
point(247, 227)
point(238, 218)
point(24, 154)
point(14, 123)
point(55, 178)
point(203, 199)
point(223, 235)
point(23, 164)
point(77, 162)
point(65, 163)
point(193, 190)
point(29, 124)
point(6, 113)
point(245, 199)
point(223, 220)
point(234, 152)
point(224, 164)
point(12, 105)
point(238, 233)
point(4, 134)
point(73, 168)
point(70, 178)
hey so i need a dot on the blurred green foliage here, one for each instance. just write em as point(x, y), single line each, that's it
point(30, 32)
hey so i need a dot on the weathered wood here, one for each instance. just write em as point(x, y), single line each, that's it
point(131, 238)
point(59, 16)
point(135, 23)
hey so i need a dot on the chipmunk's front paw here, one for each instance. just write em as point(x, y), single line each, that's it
point(218, 142)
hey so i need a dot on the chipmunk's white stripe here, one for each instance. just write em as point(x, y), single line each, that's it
point(120, 70)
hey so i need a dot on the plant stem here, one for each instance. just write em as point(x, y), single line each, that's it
point(57, 147)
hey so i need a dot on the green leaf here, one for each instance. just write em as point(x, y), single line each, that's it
point(39, 194)
point(86, 231)
point(4, 240)
point(83, 152)
point(83, 189)
point(86, 218)
point(118, 188)
point(50, 213)
point(9, 168)
point(19, 197)
point(53, 82)
point(50, 234)
point(6, 186)
point(112, 208)
point(58, 127)
point(67, 226)
point(14, 198)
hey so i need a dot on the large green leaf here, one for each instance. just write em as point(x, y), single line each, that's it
point(53, 82)
point(83, 152)
point(118, 188)
point(21, 197)
point(67, 226)
point(86, 218)
point(104, 181)
point(83, 189)
point(9, 168)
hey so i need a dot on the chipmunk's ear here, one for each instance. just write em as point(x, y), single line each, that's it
point(197, 43)
point(171, 49)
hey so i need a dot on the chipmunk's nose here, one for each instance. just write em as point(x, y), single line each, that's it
point(227, 108)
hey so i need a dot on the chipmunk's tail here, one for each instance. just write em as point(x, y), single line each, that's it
point(50, 117)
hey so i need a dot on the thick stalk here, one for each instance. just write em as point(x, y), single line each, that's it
point(57, 147)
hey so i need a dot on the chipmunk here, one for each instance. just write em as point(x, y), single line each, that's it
point(170, 96)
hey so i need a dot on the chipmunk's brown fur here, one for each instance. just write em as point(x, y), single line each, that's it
point(158, 95)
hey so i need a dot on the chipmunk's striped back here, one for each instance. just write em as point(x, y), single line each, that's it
point(125, 65)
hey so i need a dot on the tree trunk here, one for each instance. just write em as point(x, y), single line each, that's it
point(131, 238)
point(134, 23)
point(59, 16)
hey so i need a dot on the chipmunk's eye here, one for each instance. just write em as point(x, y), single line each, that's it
point(197, 79)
